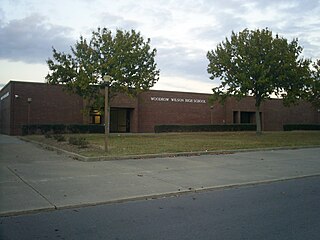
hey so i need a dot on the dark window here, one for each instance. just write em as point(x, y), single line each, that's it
point(247, 117)
point(235, 117)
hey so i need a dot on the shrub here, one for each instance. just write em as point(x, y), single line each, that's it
point(61, 128)
point(79, 141)
point(43, 129)
point(59, 137)
point(81, 128)
point(204, 128)
point(292, 127)
point(48, 135)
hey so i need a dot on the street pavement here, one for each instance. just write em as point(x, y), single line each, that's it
point(286, 210)
point(34, 179)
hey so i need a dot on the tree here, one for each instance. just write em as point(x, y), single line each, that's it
point(314, 90)
point(126, 57)
point(254, 63)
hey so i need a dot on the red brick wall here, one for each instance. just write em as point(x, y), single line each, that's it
point(5, 109)
point(50, 105)
point(276, 114)
point(171, 108)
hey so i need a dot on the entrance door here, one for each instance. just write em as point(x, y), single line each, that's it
point(119, 120)
point(247, 117)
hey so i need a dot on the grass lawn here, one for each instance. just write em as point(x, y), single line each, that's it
point(136, 144)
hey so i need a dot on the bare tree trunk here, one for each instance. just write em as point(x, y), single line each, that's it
point(258, 121)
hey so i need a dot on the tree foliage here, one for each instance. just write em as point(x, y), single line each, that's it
point(124, 56)
point(314, 90)
point(254, 63)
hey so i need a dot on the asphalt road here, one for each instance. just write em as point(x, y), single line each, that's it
point(280, 210)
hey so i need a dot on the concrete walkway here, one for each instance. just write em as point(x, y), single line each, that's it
point(33, 179)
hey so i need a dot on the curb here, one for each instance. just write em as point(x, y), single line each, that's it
point(158, 196)
point(82, 158)
point(51, 148)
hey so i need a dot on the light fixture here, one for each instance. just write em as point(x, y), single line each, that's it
point(107, 78)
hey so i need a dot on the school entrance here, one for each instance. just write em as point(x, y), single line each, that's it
point(120, 120)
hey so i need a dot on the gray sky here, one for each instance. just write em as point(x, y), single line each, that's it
point(182, 31)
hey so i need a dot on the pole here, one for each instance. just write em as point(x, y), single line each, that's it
point(28, 118)
point(29, 100)
point(106, 117)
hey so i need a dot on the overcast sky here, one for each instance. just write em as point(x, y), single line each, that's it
point(182, 31)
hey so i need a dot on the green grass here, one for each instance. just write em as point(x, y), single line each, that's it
point(136, 144)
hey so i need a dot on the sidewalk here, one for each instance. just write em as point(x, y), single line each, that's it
point(33, 179)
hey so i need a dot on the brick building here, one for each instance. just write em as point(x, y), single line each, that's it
point(24, 103)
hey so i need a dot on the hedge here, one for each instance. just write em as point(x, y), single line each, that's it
point(204, 128)
point(292, 127)
point(61, 128)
